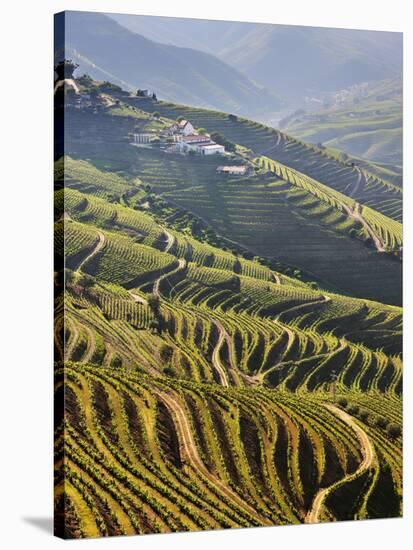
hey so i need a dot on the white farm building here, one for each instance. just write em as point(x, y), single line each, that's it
point(199, 144)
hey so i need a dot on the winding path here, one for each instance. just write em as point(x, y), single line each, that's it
point(170, 239)
point(216, 360)
point(181, 265)
point(361, 181)
point(323, 300)
point(368, 460)
point(356, 213)
point(191, 452)
point(98, 247)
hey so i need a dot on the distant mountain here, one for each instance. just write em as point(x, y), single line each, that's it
point(107, 50)
point(296, 61)
point(365, 121)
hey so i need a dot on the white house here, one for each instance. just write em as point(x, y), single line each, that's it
point(186, 128)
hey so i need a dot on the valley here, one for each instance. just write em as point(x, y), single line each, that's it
point(228, 345)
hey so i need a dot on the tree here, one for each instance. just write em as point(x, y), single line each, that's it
point(85, 80)
point(116, 362)
point(107, 86)
point(154, 325)
point(222, 140)
point(353, 409)
point(156, 115)
point(363, 415)
point(394, 430)
point(202, 131)
point(154, 303)
point(343, 402)
point(85, 281)
point(180, 118)
point(232, 118)
point(170, 371)
point(381, 422)
point(166, 353)
point(65, 69)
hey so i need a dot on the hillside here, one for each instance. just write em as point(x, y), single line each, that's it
point(228, 347)
point(304, 61)
point(367, 124)
point(296, 226)
point(198, 387)
point(108, 51)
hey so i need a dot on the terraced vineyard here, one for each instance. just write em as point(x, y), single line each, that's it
point(245, 376)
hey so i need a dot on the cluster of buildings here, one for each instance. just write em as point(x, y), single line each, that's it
point(184, 139)
point(188, 140)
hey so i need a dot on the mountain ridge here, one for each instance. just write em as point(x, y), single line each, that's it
point(102, 46)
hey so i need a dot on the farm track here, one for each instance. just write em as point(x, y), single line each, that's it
point(261, 375)
point(164, 276)
point(216, 361)
point(361, 182)
point(74, 335)
point(368, 461)
point(87, 356)
point(191, 451)
point(100, 244)
point(170, 239)
point(323, 300)
point(356, 213)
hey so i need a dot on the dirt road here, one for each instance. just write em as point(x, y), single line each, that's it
point(216, 360)
point(181, 265)
point(368, 460)
point(97, 248)
point(190, 450)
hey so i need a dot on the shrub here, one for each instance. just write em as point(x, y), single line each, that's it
point(85, 281)
point(222, 140)
point(353, 409)
point(343, 402)
point(156, 114)
point(116, 362)
point(69, 276)
point(170, 371)
point(381, 422)
point(154, 303)
point(363, 415)
point(166, 353)
point(394, 431)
